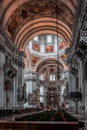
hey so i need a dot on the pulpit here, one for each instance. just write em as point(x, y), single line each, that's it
point(76, 97)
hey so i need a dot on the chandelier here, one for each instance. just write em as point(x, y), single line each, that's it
point(57, 11)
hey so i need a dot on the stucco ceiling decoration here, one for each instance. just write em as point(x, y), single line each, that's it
point(40, 8)
point(47, 70)
point(30, 10)
point(42, 26)
point(34, 59)
point(17, 14)
point(49, 62)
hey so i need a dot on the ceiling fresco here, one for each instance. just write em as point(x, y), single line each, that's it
point(49, 48)
point(33, 10)
point(40, 8)
point(24, 19)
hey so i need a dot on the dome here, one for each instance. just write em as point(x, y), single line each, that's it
point(46, 45)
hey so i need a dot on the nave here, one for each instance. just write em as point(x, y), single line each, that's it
point(43, 64)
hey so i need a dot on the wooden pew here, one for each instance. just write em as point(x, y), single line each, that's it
point(54, 126)
point(38, 125)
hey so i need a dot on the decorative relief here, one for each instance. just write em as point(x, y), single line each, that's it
point(34, 60)
point(64, 56)
point(61, 45)
point(39, 8)
point(33, 97)
point(29, 11)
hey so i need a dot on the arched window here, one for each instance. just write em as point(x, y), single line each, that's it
point(36, 38)
point(42, 90)
point(41, 77)
point(52, 77)
point(49, 39)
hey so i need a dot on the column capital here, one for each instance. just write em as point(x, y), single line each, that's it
point(81, 50)
point(22, 54)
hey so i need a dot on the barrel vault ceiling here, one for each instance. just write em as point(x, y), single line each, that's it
point(24, 19)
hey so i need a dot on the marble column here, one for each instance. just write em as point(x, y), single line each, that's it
point(85, 82)
point(2, 96)
point(80, 81)
point(45, 91)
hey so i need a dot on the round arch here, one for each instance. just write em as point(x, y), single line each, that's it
point(37, 26)
point(49, 61)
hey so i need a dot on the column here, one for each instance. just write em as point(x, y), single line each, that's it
point(71, 89)
point(80, 81)
point(55, 44)
point(84, 96)
point(2, 62)
point(45, 91)
point(20, 77)
point(42, 46)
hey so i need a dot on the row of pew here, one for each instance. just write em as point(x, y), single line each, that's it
point(51, 116)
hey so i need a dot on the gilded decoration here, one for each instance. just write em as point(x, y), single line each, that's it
point(30, 11)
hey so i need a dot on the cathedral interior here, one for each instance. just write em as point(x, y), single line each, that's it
point(43, 64)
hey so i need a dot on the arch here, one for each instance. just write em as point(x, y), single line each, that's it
point(49, 61)
point(36, 26)
point(11, 6)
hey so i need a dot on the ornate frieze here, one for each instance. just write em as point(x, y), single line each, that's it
point(31, 76)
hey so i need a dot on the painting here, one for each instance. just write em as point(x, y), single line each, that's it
point(35, 47)
point(24, 13)
point(49, 48)
point(63, 56)
point(61, 45)
point(30, 10)
point(40, 7)
point(34, 59)
point(14, 23)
